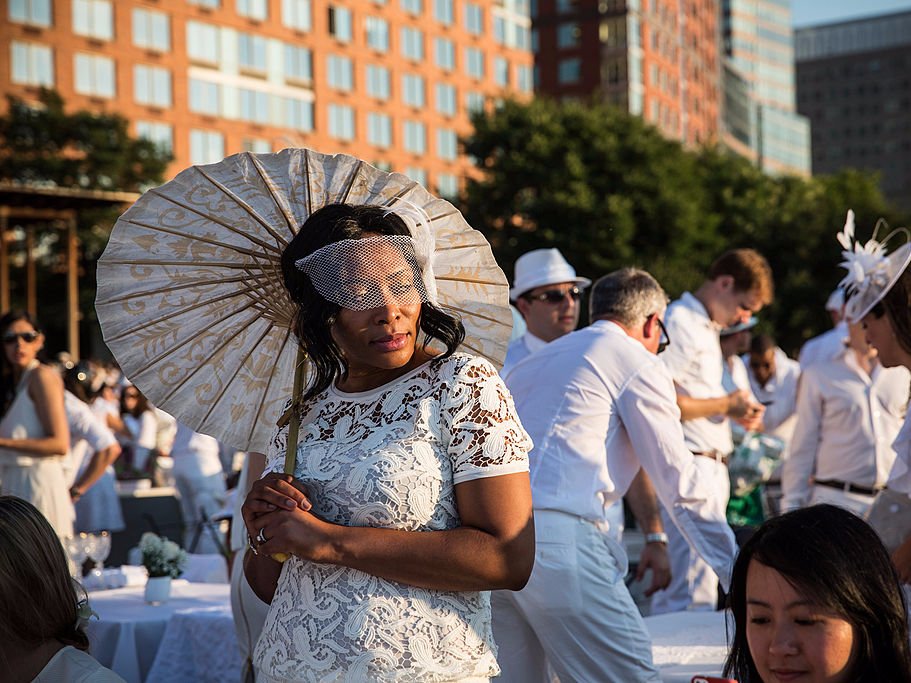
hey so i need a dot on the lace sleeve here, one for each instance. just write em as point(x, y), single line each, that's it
point(485, 436)
point(278, 445)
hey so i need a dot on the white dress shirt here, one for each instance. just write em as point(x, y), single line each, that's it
point(900, 476)
point(779, 394)
point(597, 406)
point(846, 423)
point(88, 434)
point(825, 346)
point(696, 364)
point(735, 375)
point(521, 348)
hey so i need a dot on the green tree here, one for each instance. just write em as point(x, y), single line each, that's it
point(608, 190)
point(44, 144)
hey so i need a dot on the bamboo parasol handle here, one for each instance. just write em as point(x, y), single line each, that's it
point(294, 428)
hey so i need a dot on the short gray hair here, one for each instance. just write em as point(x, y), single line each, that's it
point(628, 295)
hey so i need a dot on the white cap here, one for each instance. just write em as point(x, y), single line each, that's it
point(836, 300)
point(739, 327)
point(543, 267)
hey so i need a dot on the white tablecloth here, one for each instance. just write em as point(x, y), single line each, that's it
point(195, 623)
point(686, 644)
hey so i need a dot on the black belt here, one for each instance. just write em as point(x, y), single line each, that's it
point(848, 487)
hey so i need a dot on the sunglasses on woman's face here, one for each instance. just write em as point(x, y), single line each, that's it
point(27, 337)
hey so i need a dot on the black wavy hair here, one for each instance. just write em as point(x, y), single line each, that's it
point(315, 316)
point(838, 562)
point(7, 382)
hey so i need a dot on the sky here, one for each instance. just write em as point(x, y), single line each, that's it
point(810, 12)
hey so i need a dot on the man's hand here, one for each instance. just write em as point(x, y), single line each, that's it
point(654, 556)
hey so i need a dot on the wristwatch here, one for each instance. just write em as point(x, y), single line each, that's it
point(656, 537)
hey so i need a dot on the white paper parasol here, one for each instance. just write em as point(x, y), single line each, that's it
point(190, 294)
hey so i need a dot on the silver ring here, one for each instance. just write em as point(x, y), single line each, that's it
point(261, 537)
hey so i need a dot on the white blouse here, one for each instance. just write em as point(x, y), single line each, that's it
point(390, 458)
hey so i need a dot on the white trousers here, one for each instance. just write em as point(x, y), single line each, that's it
point(575, 615)
point(858, 503)
point(694, 585)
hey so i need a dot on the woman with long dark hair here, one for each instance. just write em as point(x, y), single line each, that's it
point(816, 598)
point(34, 436)
point(410, 496)
point(43, 612)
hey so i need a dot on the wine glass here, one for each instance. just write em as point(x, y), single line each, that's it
point(75, 548)
point(98, 552)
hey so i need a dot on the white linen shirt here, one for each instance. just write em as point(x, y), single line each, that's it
point(779, 394)
point(521, 348)
point(598, 406)
point(88, 434)
point(697, 366)
point(846, 423)
point(824, 347)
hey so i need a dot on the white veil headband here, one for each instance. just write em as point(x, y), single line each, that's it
point(367, 273)
point(871, 271)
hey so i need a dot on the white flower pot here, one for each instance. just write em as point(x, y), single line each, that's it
point(158, 589)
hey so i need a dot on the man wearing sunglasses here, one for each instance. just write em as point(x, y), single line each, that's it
point(599, 406)
point(738, 284)
point(548, 294)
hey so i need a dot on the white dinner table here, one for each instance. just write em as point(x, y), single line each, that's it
point(140, 641)
point(687, 644)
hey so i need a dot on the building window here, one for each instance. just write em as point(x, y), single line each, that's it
point(94, 75)
point(443, 11)
point(160, 134)
point(31, 12)
point(151, 30)
point(298, 114)
point(256, 145)
point(414, 7)
point(474, 102)
point(474, 18)
point(341, 122)
point(412, 44)
point(568, 35)
point(202, 42)
point(415, 137)
point(379, 130)
point(378, 82)
point(340, 72)
point(523, 37)
point(212, 4)
point(447, 186)
point(152, 85)
point(254, 9)
point(413, 90)
point(569, 70)
point(254, 106)
point(524, 82)
point(447, 144)
point(377, 33)
point(206, 147)
point(499, 30)
point(93, 19)
point(296, 14)
point(501, 71)
point(298, 64)
point(340, 23)
point(32, 64)
point(474, 63)
point(251, 53)
point(418, 175)
point(444, 50)
point(445, 99)
point(205, 97)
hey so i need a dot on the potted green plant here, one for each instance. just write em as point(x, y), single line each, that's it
point(164, 560)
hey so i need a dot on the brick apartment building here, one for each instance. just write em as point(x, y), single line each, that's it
point(655, 58)
point(390, 81)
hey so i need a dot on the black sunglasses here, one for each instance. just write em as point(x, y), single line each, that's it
point(555, 296)
point(665, 340)
point(27, 337)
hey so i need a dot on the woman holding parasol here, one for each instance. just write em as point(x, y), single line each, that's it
point(407, 495)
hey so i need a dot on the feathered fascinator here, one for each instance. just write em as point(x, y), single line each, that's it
point(871, 270)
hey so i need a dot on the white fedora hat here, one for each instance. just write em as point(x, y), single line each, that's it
point(543, 267)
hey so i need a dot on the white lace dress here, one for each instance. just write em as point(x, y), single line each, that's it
point(390, 458)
